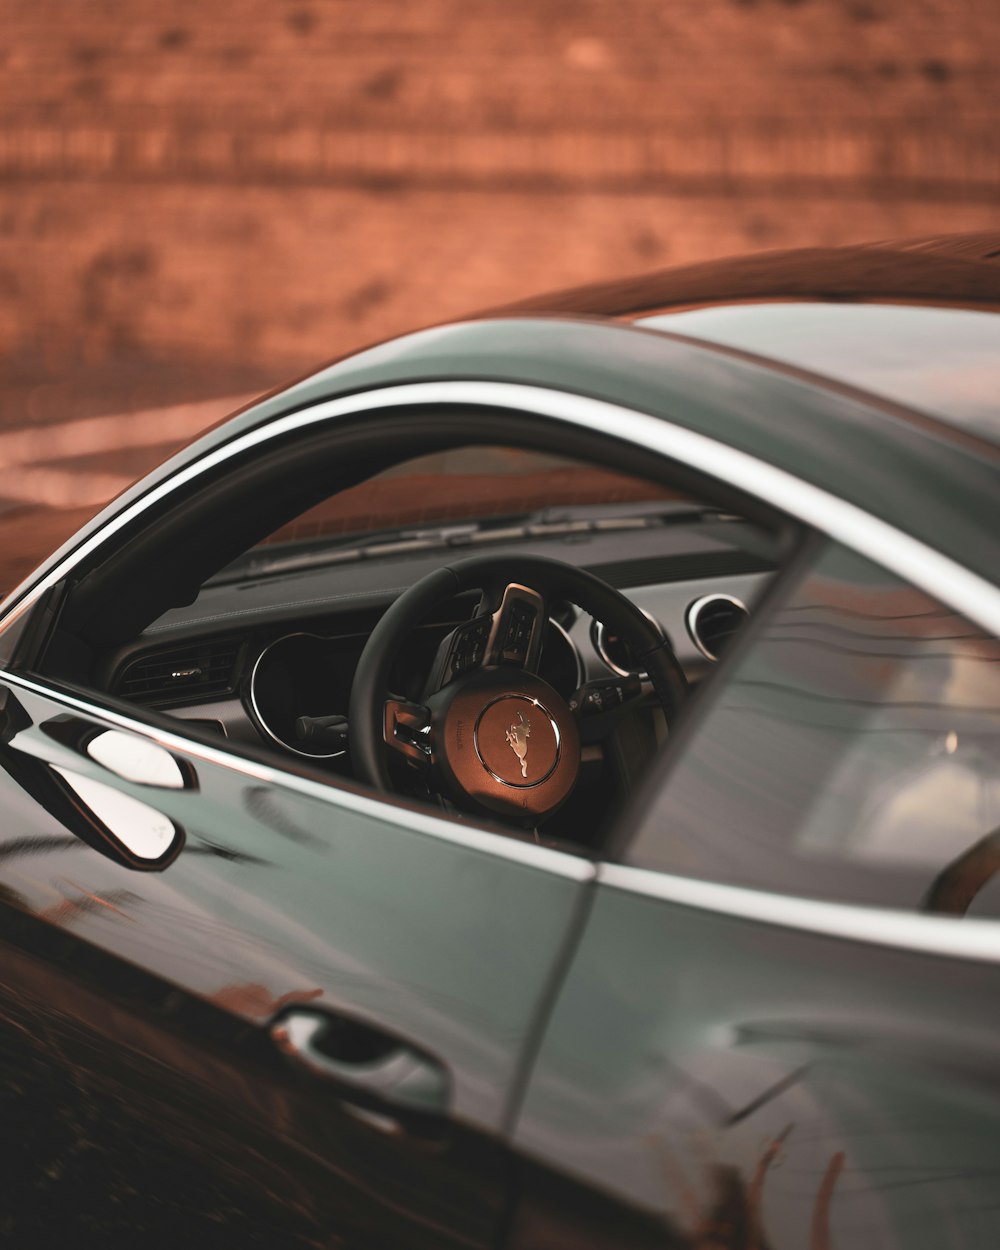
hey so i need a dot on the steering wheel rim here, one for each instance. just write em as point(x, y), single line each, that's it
point(553, 578)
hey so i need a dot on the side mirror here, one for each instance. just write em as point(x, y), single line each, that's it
point(136, 759)
point(144, 833)
point(126, 829)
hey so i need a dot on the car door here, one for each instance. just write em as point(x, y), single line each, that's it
point(781, 1026)
point(306, 1021)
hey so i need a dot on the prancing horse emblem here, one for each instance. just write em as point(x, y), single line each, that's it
point(517, 739)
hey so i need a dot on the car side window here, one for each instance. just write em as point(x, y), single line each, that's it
point(853, 754)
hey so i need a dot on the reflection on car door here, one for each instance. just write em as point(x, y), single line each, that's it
point(308, 1023)
point(712, 1080)
point(760, 1041)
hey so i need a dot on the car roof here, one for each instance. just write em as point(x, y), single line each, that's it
point(944, 362)
point(937, 483)
point(915, 321)
point(960, 270)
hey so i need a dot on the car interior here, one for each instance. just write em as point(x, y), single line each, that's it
point(251, 605)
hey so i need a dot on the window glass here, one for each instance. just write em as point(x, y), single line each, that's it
point(466, 484)
point(853, 754)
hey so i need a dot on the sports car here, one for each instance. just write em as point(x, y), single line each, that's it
point(531, 784)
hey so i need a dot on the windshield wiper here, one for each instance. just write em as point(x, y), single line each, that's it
point(552, 522)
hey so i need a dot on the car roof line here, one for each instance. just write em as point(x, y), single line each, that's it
point(956, 268)
point(881, 541)
point(961, 436)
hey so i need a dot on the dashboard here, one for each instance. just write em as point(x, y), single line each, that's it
point(265, 658)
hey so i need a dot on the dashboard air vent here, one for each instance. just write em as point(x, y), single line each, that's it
point(712, 621)
point(181, 674)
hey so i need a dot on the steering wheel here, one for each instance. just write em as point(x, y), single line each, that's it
point(489, 732)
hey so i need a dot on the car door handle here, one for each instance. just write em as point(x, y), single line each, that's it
point(379, 1067)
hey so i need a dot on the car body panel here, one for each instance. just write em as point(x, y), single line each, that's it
point(287, 898)
point(918, 478)
point(944, 362)
point(650, 1068)
point(958, 270)
point(780, 1088)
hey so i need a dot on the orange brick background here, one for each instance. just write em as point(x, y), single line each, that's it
point(261, 184)
point(200, 199)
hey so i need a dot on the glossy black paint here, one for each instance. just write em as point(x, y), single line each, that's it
point(161, 987)
point(622, 1070)
point(918, 476)
point(737, 1084)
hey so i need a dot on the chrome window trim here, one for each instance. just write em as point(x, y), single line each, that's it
point(501, 845)
point(958, 587)
point(880, 542)
point(936, 935)
point(949, 936)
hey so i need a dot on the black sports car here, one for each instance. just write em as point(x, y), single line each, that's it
point(531, 784)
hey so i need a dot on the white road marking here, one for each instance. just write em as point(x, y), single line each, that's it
point(60, 488)
point(26, 476)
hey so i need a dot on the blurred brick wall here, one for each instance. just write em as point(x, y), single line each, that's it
point(231, 190)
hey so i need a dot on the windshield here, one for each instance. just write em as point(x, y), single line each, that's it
point(467, 484)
